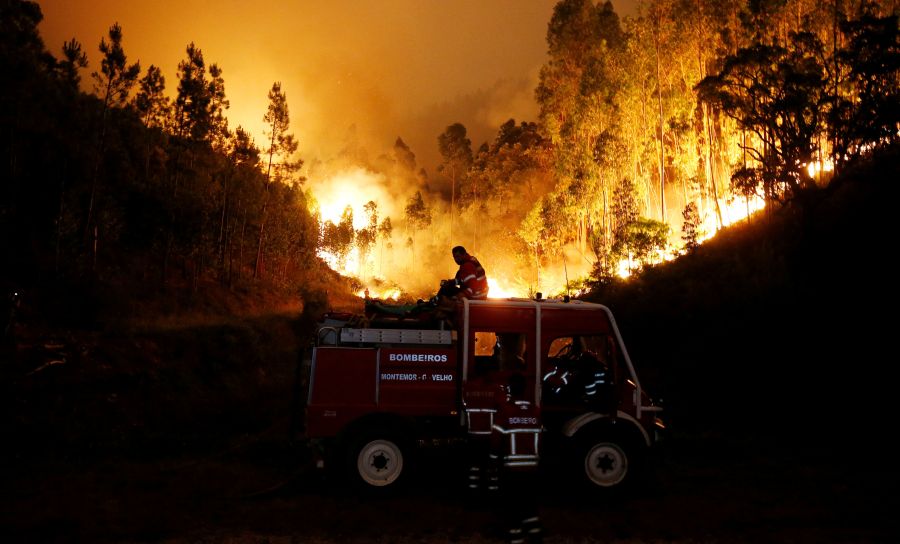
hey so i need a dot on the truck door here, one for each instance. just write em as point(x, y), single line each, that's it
point(502, 352)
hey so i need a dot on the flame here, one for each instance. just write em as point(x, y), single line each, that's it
point(496, 289)
point(394, 267)
point(734, 210)
point(817, 167)
point(390, 293)
point(351, 188)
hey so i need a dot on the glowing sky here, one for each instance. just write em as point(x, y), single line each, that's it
point(393, 68)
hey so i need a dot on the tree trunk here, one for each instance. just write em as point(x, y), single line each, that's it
point(452, 199)
point(710, 165)
point(662, 169)
point(223, 224)
point(59, 220)
point(262, 218)
point(474, 214)
point(241, 246)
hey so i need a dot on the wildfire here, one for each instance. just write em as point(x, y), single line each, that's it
point(733, 211)
point(390, 293)
point(353, 189)
point(504, 290)
point(398, 264)
point(816, 168)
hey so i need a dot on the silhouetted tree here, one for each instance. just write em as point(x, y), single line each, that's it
point(281, 146)
point(74, 59)
point(777, 94)
point(338, 239)
point(690, 228)
point(113, 83)
point(418, 215)
point(868, 115)
point(151, 102)
point(456, 155)
point(403, 156)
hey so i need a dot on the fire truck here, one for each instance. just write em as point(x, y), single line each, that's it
point(381, 387)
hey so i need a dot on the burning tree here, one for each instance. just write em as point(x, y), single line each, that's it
point(777, 94)
point(366, 236)
point(690, 228)
point(418, 216)
point(456, 152)
point(338, 239)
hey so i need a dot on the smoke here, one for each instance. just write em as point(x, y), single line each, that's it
point(415, 258)
point(481, 112)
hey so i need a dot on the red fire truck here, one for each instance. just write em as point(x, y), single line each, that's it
point(380, 388)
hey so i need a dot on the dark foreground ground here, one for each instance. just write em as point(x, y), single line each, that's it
point(180, 433)
point(705, 489)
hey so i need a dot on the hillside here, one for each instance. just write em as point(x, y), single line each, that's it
point(779, 324)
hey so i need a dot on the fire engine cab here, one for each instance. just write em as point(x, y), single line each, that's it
point(379, 388)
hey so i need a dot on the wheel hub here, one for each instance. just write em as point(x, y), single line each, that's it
point(606, 464)
point(380, 462)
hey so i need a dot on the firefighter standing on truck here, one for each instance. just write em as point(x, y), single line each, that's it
point(470, 277)
point(515, 448)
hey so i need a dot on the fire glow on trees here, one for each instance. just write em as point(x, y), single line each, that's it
point(352, 206)
point(389, 264)
point(583, 192)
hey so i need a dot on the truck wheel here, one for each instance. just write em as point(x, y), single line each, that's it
point(378, 460)
point(606, 463)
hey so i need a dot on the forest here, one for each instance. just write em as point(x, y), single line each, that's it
point(129, 201)
point(654, 131)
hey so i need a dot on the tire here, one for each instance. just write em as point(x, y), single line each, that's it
point(378, 461)
point(606, 463)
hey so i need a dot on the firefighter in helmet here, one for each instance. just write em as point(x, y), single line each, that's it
point(470, 282)
point(470, 277)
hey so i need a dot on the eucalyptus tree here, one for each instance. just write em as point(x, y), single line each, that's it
point(777, 94)
point(456, 158)
point(337, 239)
point(403, 157)
point(418, 217)
point(867, 114)
point(579, 94)
point(367, 235)
point(385, 231)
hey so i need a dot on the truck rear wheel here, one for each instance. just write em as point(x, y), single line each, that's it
point(378, 460)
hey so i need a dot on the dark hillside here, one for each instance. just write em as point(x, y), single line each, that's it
point(779, 326)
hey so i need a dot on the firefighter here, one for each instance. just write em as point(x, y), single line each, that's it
point(483, 392)
point(470, 277)
point(515, 452)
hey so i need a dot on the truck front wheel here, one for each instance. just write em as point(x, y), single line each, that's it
point(606, 463)
point(377, 460)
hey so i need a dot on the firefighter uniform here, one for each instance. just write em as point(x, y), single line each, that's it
point(515, 451)
point(471, 278)
point(480, 400)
